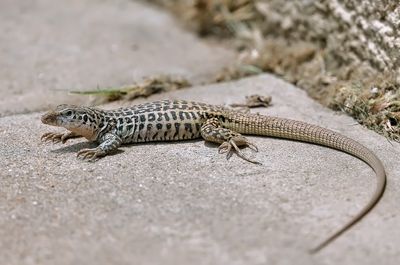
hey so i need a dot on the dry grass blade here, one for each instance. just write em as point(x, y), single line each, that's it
point(145, 88)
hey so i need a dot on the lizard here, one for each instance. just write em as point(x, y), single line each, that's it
point(169, 120)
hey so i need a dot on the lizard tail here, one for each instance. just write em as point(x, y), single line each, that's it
point(304, 132)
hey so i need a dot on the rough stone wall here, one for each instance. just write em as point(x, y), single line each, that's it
point(351, 31)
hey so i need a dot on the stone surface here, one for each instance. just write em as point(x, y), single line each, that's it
point(350, 31)
point(49, 47)
point(183, 203)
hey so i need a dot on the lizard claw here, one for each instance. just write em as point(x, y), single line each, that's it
point(90, 154)
point(226, 147)
point(65, 137)
point(53, 137)
point(57, 137)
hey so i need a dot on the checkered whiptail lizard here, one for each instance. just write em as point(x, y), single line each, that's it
point(179, 120)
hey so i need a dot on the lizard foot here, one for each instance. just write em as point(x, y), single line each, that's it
point(55, 137)
point(90, 154)
point(226, 147)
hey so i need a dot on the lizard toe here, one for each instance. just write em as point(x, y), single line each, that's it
point(90, 154)
point(51, 137)
point(230, 146)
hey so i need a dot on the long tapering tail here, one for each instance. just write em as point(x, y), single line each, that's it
point(304, 132)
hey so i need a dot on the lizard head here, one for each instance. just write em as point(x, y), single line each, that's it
point(81, 120)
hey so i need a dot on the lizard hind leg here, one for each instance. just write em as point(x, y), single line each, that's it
point(230, 140)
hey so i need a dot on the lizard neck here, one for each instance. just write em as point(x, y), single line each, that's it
point(92, 120)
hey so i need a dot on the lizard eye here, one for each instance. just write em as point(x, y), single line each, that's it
point(69, 113)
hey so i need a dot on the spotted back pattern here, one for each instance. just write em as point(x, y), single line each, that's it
point(164, 120)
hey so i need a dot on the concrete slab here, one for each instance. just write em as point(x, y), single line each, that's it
point(48, 47)
point(182, 203)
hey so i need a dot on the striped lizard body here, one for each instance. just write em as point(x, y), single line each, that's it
point(180, 120)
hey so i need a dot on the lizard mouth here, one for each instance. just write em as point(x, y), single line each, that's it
point(49, 118)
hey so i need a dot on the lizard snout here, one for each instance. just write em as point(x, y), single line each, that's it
point(49, 118)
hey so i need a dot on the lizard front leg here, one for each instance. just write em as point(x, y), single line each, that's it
point(230, 140)
point(109, 142)
point(59, 137)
